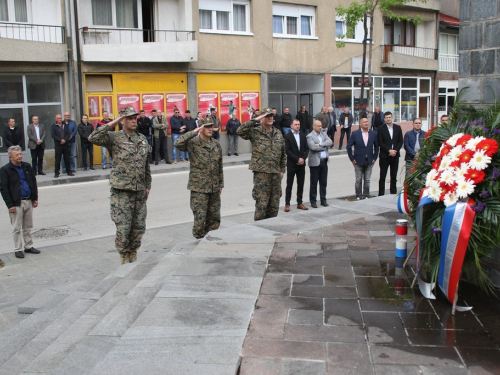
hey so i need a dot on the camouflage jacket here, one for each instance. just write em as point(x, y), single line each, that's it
point(205, 160)
point(268, 147)
point(130, 158)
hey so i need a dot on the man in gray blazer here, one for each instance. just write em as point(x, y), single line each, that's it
point(36, 144)
point(318, 143)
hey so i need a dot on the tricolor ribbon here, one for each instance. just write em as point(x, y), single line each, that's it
point(403, 206)
point(425, 288)
point(456, 229)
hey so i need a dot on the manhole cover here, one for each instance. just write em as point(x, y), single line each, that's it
point(48, 233)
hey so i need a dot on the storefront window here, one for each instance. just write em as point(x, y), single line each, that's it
point(341, 99)
point(392, 103)
point(11, 89)
point(392, 82)
point(310, 83)
point(410, 83)
point(377, 99)
point(408, 105)
point(43, 93)
point(43, 89)
point(425, 86)
point(378, 81)
point(341, 81)
point(282, 83)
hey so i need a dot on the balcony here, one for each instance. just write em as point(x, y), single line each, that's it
point(414, 58)
point(99, 44)
point(448, 63)
point(43, 43)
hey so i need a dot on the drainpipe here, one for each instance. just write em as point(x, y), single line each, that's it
point(69, 42)
point(436, 81)
point(78, 59)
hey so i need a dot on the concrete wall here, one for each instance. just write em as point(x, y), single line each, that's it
point(479, 45)
point(451, 8)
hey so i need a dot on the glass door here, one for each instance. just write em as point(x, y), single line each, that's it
point(423, 111)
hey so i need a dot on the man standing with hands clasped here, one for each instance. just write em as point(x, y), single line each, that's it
point(318, 143)
point(296, 152)
point(130, 180)
point(365, 154)
point(390, 141)
point(206, 178)
point(267, 163)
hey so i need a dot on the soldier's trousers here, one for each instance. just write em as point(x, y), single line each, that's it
point(266, 193)
point(128, 211)
point(206, 212)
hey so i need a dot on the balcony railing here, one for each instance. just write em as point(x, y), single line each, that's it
point(94, 35)
point(426, 53)
point(448, 63)
point(34, 33)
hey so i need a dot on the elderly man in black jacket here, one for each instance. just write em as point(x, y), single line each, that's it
point(61, 135)
point(20, 193)
point(13, 136)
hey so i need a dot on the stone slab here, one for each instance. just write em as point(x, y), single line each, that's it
point(222, 249)
point(210, 287)
point(243, 267)
point(46, 297)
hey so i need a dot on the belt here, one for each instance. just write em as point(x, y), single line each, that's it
point(25, 198)
point(324, 159)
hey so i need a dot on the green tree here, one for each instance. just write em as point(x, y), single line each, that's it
point(364, 10)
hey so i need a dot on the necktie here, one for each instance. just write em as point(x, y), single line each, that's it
point(417, 143)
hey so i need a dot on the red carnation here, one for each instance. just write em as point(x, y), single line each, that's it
point(462, 141)
point(476, 176)
point(466, 156)
point(445, 151)
point(429, 132)
point(489, 146)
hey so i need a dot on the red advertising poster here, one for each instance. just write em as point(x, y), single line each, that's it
point(107, 105)
point(130, 100)
point(249, 103)
point(229, 104)
point(93, 106)
point(207, 100)
point(153, 101)
point(174, 102)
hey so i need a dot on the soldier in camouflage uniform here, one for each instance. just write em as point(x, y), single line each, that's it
point(130, 180)
point(268, 163)
point(206, 178)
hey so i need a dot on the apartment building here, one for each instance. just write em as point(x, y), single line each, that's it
point(199, 54)
point(34, 78)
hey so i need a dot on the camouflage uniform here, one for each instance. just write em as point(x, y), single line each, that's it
point(205, 181)
point(130, 178)
point(267, 163)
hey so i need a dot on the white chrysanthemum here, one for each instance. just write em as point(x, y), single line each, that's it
point(465, 188)
point(452, 141)
point(431, 176)
point(479, 161)
point(434, 191)
point(456, 152)
point(445, 163)
point(472, 143)
point(448, 177)
point(449, 199)
point(461, 171)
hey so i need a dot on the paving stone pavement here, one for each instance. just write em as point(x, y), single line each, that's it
point(308, 292)
point(331, 303)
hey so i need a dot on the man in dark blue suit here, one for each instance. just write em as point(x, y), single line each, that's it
point(390, 141)
point(365, 154)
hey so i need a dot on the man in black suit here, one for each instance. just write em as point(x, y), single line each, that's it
point(390, 141)
point(13, 136)
point(296, 152)
point(61, 135)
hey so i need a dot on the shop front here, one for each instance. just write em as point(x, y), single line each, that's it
point(406, 97)
point(23, 96)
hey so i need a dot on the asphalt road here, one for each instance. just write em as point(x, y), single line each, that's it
point(80, 211)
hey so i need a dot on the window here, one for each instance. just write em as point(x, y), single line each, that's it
point(293, 21)
point(403, 33)
point(448, 44)
point(225, 16)
point(13, 11)
point(119, 13)
point(341, 27)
